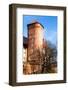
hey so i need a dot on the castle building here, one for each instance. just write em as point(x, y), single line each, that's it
point(36, 59)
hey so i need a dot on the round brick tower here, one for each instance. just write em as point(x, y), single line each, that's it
point(35, 45)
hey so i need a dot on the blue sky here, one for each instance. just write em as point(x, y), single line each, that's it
point(49, 23)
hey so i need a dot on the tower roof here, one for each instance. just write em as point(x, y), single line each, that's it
point(34, 22)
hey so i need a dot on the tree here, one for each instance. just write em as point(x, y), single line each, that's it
point(49, 58)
